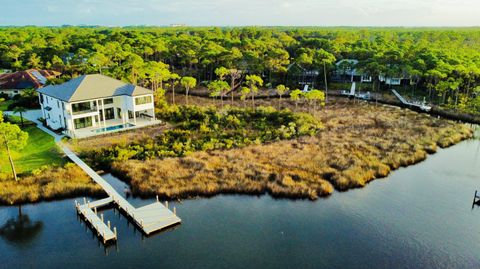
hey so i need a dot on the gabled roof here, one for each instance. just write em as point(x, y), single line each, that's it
point(30, 78)
point(95, 86)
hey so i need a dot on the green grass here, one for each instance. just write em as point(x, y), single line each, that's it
point(4, 105)
point(41, 150)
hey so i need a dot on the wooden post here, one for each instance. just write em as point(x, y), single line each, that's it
point(166, 204)
point(84, 200)
point(108, 223)
point(115, 232)
point(101, 215)
point(95, 211)
point(157, 199)
point(175, 211)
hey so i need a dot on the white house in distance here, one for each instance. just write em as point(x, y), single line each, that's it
point(96, 104)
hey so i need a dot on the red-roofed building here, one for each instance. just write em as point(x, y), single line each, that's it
point(13, 83)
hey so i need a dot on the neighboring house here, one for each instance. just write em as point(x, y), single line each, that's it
point(346, 71)
point(94, 104)
point(14, 83)
point(393, 81)
point(301, 75)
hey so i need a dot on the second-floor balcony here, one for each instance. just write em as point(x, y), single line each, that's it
point(84, 111)
point(83, 108)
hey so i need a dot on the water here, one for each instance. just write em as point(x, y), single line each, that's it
point(114, 128)
point(419, 217)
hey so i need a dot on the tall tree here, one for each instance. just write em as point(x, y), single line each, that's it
point(253, 82)
point(325, 58)
point(12, 138)
point(173, 78)
point(188, 83)
point(20, 110)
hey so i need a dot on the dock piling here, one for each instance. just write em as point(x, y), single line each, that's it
point(108, 223)
point(174, 210)
point(101, 217)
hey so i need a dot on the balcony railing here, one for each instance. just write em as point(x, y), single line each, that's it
point(93, 109)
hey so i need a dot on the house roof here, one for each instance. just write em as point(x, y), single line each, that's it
point(94, 86)
point(31, 78)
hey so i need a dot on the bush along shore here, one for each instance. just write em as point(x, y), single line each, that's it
point(358, 143)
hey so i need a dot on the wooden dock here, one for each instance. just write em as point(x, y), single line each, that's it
point(417, 105)
point(103, 230)
point(149, 218)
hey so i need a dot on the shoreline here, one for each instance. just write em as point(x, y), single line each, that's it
point(191, 195)
point(351, 129)
point(353, 150)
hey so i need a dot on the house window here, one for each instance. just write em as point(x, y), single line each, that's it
point(143, 100)
point(109, 114)
point(108, 101)
point(82, 107)
point(42, 98)
point(83, 122)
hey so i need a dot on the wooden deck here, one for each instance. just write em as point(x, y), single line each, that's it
point(98, 224)
point(150, 218)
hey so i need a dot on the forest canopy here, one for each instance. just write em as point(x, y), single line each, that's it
point(444, 62)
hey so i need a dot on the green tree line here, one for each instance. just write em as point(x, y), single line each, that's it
point(444, 63)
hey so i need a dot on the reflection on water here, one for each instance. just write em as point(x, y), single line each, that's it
point(20, 230)
point(418, 217)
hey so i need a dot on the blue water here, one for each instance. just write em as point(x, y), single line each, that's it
point(113, 128)
point(418, 217)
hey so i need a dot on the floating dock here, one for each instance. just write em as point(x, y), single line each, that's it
point(149, 218)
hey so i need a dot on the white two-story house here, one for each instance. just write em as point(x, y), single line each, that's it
point(95, 104)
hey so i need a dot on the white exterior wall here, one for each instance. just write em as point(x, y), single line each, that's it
point(54, 117)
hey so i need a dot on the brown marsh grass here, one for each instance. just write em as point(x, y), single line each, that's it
point(48, 184)
point(360, 142)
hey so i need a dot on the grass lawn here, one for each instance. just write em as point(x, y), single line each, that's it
point(40, 150)
point(4, 105)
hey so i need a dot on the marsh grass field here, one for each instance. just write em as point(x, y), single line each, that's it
point(358, 143)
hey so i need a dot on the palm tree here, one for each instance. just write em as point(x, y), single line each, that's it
point(20, 110)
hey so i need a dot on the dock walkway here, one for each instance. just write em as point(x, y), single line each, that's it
point(418, 105)
point(149, 218)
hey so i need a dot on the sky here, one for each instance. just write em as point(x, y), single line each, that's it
point(242, 12)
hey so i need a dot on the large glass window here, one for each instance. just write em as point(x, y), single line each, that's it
point(83, 122)
point(109, 114)
point(143, 100)
point(81, 107)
